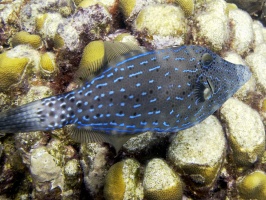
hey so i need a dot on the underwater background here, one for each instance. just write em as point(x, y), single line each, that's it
point(46, 45)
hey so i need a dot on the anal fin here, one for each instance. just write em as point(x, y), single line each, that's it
point(85, 135)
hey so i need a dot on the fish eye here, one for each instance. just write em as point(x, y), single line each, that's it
point(207, 59)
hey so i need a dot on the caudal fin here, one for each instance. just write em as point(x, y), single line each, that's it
point(22, 119)
point(41, 115)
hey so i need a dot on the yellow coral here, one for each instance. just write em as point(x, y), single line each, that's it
point(39, 21)
point(115, 186)
point(187, 6)
point(58, 41)
point(263, 105)
point(92, 59)
point(230, 6)
point(160, 182)
point(87, 3)
point(127, 6)
point(24, 37)
point(253, 186)
point(11, 70)
point(47, 62)
point(77, 2)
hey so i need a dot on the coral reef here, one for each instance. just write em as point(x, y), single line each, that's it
point(46, 45)
point(242, 32)
point(199, 169)
point(167, 186)
point(11, 70)
point(90, 23)
point(24, 37)
point(253, 186)
point(212, 26)
point(247, 142)
point(48, 63)
point(122, 181)
point(170, 28)
point(94, 163)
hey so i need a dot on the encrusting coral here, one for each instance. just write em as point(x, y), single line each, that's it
point(56, 43)
point(24, 37)
point(11, 70)
point(47, 63)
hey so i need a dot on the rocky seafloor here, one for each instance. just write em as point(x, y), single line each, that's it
point(44, 43)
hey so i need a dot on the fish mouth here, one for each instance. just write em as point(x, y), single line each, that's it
point(243, 74)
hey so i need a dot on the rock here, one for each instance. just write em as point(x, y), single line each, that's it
point(241, 31)
point(55, 174)
point(258, 33)
point(146, 146)
point(257, 64)
point(245, 132)
point(252, 186)
point(212, 25)
point(94, 164)
point(82, 27)
point(12, 167)
point(47, 24)
point(161, 25)
point(161, 182)
point(122, 181)
point(33, 8)
point(198, 152)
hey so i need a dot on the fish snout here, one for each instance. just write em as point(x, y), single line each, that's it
point(243, 74)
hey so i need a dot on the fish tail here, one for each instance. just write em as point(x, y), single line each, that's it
point(40, 115)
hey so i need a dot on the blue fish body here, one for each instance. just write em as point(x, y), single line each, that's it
point(162, 91)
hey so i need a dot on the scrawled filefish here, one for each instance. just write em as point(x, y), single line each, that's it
point(164, 90)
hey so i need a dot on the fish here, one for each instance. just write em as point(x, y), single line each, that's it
point(164, 90)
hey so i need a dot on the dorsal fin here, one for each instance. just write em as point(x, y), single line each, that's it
point(98, 54)
point(93, 58)
point(113, 50)
point(84, 135)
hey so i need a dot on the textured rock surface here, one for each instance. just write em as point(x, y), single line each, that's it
point(161, 182)
point(170, 27)
point(245, 132)
point(212, 27)
point(252, 186)
point(196, 155)
point(94, 164)
point(198, 152)
point(122, 181)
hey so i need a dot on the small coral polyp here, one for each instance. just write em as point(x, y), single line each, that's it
point(24, 37)
point(187, 6)
point(47, 63)
point(168, 184)
point(253, 186)
point(11, 70)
